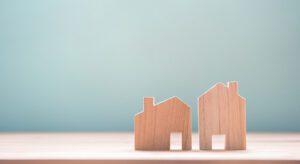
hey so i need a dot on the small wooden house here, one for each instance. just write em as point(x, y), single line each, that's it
point(153, 126)
point(222, 111)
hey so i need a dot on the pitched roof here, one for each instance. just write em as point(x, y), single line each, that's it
point(174, 98)
point(220, 84)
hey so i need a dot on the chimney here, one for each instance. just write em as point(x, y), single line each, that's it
point(148, 103)
point(233, 86)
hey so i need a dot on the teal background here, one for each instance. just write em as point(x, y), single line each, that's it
point(71, 65)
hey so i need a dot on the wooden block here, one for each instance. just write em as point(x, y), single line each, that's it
point(153, 126)
point(222, 111)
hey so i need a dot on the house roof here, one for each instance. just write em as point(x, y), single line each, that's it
point(220, 84)
point(174, 98)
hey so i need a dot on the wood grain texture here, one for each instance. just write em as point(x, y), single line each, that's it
point(155, 124)
point(222, 111)
point(117, 148)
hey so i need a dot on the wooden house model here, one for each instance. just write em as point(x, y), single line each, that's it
point(222, 111)
point(154, 125)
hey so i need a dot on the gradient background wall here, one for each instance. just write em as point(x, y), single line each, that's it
point(69, 65)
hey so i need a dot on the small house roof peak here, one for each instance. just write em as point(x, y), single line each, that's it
point(175, 98)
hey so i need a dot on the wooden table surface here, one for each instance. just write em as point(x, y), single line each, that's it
point(119, 148)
